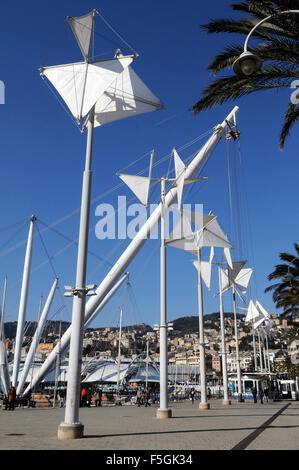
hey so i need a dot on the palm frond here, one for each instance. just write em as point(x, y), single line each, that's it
point(278, 51)
point(291, 117)
point(229, 88)
point(286, 292)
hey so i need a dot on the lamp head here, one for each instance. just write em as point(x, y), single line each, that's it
point(247, 64)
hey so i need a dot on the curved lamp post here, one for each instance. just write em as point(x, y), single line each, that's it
point(248, 63)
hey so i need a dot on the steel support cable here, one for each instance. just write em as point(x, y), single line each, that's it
point(104, 260)
point(94, 200)
point(116, 33)
point(52, 266)
point(23, 221)
point(230, 202)
point(247, 216)
point(13, 236)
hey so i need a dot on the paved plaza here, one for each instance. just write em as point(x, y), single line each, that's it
point(240, 426)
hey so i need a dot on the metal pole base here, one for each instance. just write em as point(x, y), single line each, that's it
point(70, 431)
point(226, 402)
point(164, 414)
point(204, 406)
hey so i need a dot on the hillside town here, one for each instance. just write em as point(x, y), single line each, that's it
point(142, 339)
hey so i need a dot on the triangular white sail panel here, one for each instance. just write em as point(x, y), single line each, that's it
point(237, 276)
point(137, 184)
point(263, 315)
point(179, 176)
point(235, 271)
point(205, 271)
point(259, 321)
point(224, 280)
point(82, 27)
point(182, 236)
point(243, 278)
point(228, 258)
point(211, 254)
point(127, 96)
point(261, 309)
point(81, 84)
point(252, 312)
point(212, 235)
point(202, 220)
point(185, 244)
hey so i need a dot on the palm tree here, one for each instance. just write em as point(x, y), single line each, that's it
point(279, 49)
point(286, 292)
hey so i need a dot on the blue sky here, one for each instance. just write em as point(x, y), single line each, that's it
point(43, 155)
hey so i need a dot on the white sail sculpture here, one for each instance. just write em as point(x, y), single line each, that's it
point(257, 313)
point(140, 185)
point(96, 92)
point(137, 243)
point(210, 234)
point(236, 278)
point(263, 324)
point(109, 86)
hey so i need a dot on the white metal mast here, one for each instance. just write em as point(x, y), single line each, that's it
point(36, 338)
point(23, 303)
point(119, 351)
point(240, 399)
point(226, 400)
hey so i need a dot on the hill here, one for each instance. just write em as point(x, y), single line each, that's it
point(181, 326)
point(10, 328)
point(189, 324)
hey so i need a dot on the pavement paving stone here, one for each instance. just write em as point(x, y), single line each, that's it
point(132, 428)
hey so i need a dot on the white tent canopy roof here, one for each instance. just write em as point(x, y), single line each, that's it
point(106, 372)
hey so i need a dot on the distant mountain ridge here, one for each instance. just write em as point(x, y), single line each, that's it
point(189, 324)
point(182, 325)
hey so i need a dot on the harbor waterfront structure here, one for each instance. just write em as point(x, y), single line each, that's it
point(72, 428)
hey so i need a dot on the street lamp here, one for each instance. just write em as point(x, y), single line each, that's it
point(248, 63)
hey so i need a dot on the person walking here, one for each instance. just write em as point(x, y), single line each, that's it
point(98, 397)
point(266, 394)
point(83, 397)
point(88, 397)
point(262, 396)
point(192, 394)
point(139, 396)
point(11, 398)
point(147, 397)
point(61, 398)
point(254, 393)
